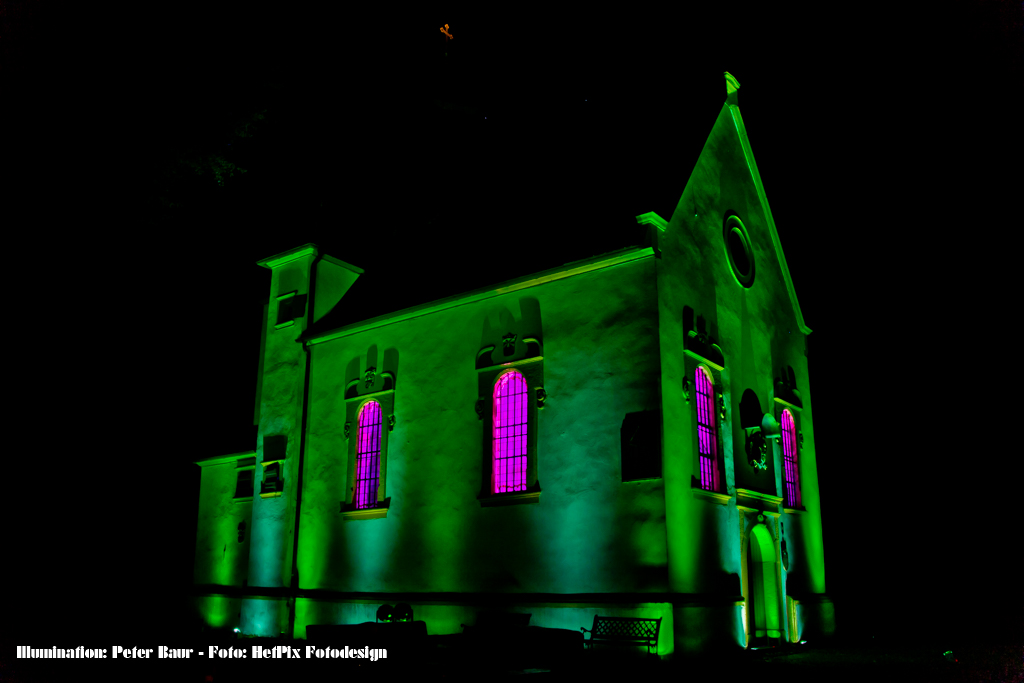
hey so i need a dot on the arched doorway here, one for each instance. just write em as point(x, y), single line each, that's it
point(765, 624)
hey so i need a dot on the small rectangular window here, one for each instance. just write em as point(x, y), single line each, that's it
point(641, 445)
point(244, 484)
point(291, 308)
point(272, 484)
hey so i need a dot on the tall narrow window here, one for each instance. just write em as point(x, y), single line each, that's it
point(791, 473)
point(707, 435)
point(511, 413)
point(368, 455)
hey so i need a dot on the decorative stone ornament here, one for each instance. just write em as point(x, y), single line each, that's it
point(770, 427)
point(721, 404)
point(800, 439)
point(385, 613)
point(391, 423)
point(402, 612)
point(686, 389)
point(509, 343)
point(732, 88)
point(348, 429)
point(757, 449)
point(370, 376)
point(541, 397)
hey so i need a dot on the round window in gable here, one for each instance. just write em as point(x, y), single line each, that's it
point(737, 245)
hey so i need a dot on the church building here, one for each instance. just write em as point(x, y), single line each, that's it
point(627, 435)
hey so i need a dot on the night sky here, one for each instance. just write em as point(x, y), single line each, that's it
point(889, 145)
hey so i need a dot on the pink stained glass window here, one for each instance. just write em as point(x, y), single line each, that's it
point(707, 435)
point(791, 474)
point(368, 455)
point(511, 413)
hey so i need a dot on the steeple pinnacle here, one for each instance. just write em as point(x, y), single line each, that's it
point(732, 87)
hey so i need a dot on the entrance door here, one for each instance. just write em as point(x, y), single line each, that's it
point(764, 586)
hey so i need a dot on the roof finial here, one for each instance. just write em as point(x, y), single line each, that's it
point(732, 87)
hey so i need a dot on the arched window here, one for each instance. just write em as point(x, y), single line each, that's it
point(791, 473)
point(707, 434)
point(368, 455)
point(511, 414)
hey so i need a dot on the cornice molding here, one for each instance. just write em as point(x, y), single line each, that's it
point(352, 514)
point(276, 260)
point(711, 496)
point(512, 364)
point(757, 495)
point(222, 459)
point(500, 499)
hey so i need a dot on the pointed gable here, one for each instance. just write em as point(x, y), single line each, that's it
point(726, 179)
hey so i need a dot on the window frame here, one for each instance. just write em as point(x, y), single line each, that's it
point(794, 444)
point(784, 402)
point(245, 465)
point(290, 307)
point(721, 396)
point(354, 403)
point(496, 438)
point(532, 369)
point(272, 481)
point(717, 466)
point(374, 453)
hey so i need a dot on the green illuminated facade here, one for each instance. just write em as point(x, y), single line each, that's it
point(616, 518)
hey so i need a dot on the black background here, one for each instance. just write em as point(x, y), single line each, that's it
point(888, 142)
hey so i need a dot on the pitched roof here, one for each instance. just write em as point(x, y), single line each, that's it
point(397, 283)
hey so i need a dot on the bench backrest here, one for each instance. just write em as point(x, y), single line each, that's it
point(626, 628)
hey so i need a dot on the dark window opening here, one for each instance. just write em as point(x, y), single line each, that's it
point(750, 410)
point(291, 308)
point(641, 445)
point(275, 447)
point(272, 482)
point(243, 486)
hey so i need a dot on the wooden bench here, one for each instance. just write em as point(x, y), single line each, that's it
point(624, 631)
